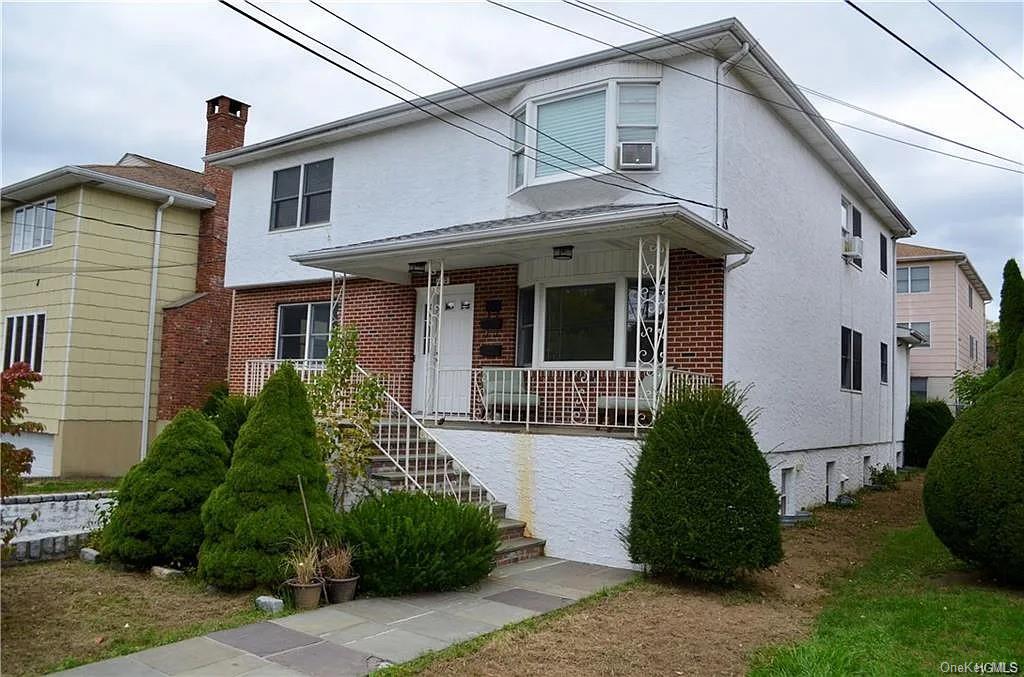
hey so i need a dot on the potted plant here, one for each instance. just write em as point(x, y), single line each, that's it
point(303, 563)
point(339, 579)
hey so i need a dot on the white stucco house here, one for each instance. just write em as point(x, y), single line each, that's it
point(531, 302)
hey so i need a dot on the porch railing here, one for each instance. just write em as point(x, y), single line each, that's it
point(258, 371)
point(610, 398)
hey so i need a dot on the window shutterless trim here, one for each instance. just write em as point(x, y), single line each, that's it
point(18, 230)
point(307, 335)
point(25, 339)
point(299, 197)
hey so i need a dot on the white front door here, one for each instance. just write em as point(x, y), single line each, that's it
point(455, 353)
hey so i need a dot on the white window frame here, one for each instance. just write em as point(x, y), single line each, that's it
point(519, 150)
point(611, 132)
point(910, 288)
point(309, 329)
point(540, 304)
point(618, 126)
point(18, 353)
point(973, 347)
point(49, 224)
point(300, 209)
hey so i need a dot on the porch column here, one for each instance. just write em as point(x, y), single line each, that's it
point(651, 322)
point(432, 336)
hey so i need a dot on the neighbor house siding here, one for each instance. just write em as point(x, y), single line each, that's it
point(970, 322)
point(937, 306)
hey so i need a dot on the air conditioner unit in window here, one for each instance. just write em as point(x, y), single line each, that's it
point(853, 247)
point(637, 154)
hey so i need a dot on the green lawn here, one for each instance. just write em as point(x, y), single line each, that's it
point(898, 615)
point(60, 486)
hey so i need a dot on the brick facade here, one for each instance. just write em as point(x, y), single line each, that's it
point(385, 315)
point(196, 336)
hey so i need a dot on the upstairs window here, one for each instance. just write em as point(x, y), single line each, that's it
point(883, 253)
point(519, 149)
point(973, 348)
point(303, 330)
point(913, 280)
point(850, 360)
point(579, 123)
point(33, 226)
point(970, 296)
point(23, 340)
point(883, 361)
point(292, 207)
point(851, 225)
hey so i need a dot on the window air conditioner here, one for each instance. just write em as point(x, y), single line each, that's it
point(853, 247)
point(637, 154)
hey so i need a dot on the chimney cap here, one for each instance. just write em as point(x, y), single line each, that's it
point(223, 103)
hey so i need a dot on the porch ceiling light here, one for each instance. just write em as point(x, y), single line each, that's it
point(563, 253)
point(418, 267)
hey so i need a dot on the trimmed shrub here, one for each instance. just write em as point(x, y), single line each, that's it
point(410, 542)
point(972, 492)
point(157, 516)
point(230, 415)
point(704, 507)
point(251, 519)
point(927, 422)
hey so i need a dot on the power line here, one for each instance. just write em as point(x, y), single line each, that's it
point(780, 104)
point(976, 39)
point(632, 23)
point(109, 269)
point(423, 109)
point(478, 97)
point(932, 63)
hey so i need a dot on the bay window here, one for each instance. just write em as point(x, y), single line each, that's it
point(519, 149)
point(303, 330)
point(578, 123)
point(638, 112)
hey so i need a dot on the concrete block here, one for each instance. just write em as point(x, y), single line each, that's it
point(46, 547)
point(272, 605)
point(34, 549)
point(89, 555)
point(165, 572)
point(60, 545)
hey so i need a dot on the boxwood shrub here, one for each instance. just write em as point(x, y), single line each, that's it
point(927, 422)
point(253, 517)
point(157, 516)
point(408, 542)
point(972, 491)
point(704, 507)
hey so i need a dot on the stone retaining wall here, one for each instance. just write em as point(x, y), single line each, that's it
point(62, 525)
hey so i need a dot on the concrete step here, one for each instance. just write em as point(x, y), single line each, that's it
point(382, 462)
point(519, 550)
point(509, 529)
point(424, 476)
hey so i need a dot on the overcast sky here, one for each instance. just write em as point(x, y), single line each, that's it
point(86, 82)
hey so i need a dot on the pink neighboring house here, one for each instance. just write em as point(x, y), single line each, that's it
point(941, 295)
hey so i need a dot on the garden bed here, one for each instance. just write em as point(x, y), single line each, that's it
point(60, 614)
point(59, 485)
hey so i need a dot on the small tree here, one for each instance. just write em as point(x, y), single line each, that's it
point(1011, 316)
point(16, 462)
point(703, 506)
point(157, 516)
point(251, 518)
point(927, 422)
point(969, 386)
point(346, 406)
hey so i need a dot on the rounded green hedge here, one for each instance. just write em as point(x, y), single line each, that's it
point(157, 516)
point(252, 519)
point(974, 488)
point(704, 507)
point(927, 423)
point(410, 542)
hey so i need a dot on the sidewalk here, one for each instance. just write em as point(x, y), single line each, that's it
point(357, 637)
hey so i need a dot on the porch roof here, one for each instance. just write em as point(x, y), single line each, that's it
point(522, 238)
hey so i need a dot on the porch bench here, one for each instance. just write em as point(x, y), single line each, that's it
point(625, 403)
point(506, 389)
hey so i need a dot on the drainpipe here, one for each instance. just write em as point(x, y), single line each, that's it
point(723, 69)
point(151, 327)
point(738, 262)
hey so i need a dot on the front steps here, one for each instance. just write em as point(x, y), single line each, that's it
point(432, 469)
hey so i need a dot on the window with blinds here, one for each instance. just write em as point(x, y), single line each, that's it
point(638, 112)
point(571, 134)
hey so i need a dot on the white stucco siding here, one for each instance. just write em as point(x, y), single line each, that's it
point(784, 309)
point(427, 174)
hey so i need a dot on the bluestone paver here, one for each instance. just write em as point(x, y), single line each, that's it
point(185, 655)
point(242, 664)
point(327, 659)
point(383, 610)
point(398, 646)
point(446, 626)
point(529, 599)
point(494, 613)
point(355, 632)
point(321, 621)
point(115, 667)
point(263, 638)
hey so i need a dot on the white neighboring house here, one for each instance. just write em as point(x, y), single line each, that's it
point(496, 289)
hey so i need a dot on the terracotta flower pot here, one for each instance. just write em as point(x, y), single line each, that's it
point(341, 589)
point(306, 595)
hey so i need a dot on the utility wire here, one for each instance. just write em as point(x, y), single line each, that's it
point(976, 39)
point(934, 65)
point(632, 23)
point(423, 109)
point(108, 269)
point(780, 104)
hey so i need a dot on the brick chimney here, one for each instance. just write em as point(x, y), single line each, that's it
point(196, 334)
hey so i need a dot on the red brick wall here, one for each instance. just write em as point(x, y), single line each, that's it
point(195, 338)
point(696, 313)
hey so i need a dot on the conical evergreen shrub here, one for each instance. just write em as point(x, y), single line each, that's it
point(1011, 316)
point(973, 496)
point(252, 518)
point(704, 507)
point(157, 516)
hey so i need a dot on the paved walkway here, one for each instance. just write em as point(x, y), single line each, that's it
point(357, 637)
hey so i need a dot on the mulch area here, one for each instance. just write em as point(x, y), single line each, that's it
point(663, 629)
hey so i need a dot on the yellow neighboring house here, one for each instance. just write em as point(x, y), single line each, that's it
point(91, 256)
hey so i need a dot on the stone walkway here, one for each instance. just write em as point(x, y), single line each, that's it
point(357, 637)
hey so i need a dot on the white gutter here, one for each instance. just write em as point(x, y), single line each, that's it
point(83, 175)
point(151, 327)
point(723, 70)
point(739, 262)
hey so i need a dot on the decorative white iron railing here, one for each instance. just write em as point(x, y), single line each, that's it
point(611, 398)
point(258, 371)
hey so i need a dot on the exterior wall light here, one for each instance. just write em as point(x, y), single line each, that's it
point(418, 267)
point(563, 253)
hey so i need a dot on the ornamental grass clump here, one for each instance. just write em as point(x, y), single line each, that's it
point(253, 517)
point(157, 516)
point(704, 507)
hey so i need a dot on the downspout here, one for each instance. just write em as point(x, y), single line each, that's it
point(151, 326)
point(723, 69)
